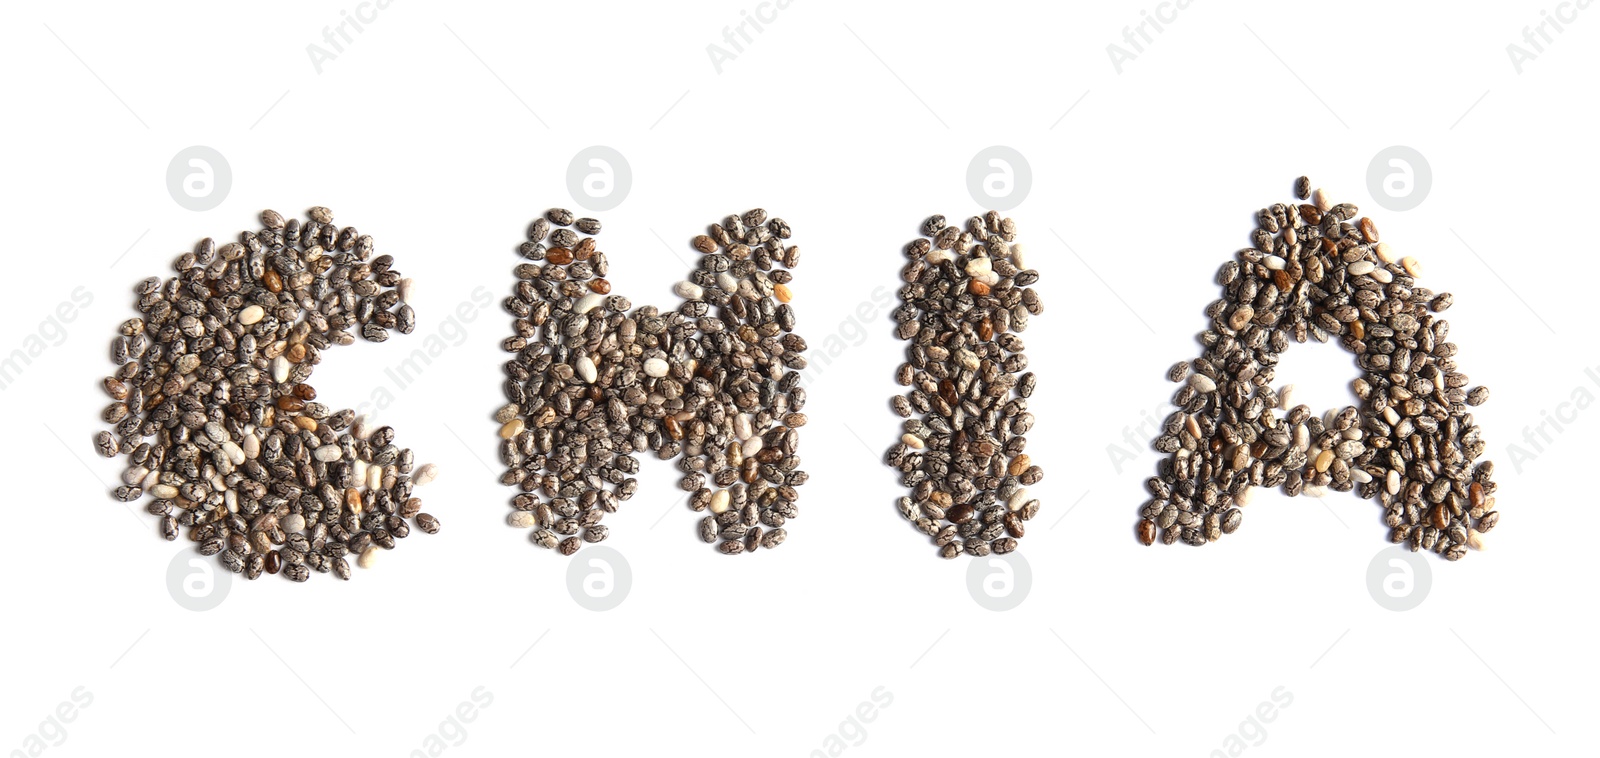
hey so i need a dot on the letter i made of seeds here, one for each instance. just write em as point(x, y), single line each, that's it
point(212, 405)
point(1313, 271)
point(966, 300)
point(713, 384)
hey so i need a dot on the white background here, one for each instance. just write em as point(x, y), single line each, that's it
point(853, 123)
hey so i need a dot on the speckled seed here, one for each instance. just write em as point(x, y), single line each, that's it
point(105, 444)
point(1231, 520)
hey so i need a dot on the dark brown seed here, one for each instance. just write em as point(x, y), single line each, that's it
point(1369, 230)
point(1439, 516)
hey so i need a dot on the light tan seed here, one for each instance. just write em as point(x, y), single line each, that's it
point(1321, 200)
point(1241, 317)
point(425, 473)
point(522, 519)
